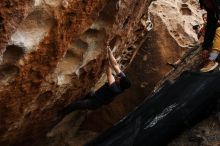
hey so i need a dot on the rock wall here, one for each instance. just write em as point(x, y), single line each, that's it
point(169, 40)
point(53, 52)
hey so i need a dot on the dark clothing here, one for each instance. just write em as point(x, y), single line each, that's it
point(211, 26)
point(212, 22)
point(90, 103)
point(104, 95)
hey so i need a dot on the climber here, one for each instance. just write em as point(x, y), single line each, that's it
point(212, 34)
point(106, 93)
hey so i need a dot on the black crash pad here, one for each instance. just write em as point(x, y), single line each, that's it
point(166, 113)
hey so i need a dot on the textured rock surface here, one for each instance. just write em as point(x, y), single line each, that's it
point(53, 52)
point(168, 40)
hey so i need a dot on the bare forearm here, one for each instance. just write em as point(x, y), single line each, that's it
point(113, 62)
point(117, 69)
point(110, 77)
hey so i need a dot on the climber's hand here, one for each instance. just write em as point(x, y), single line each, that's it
point(109, 50)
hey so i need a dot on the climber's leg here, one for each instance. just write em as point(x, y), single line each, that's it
point(90, 103)
point(212, 63)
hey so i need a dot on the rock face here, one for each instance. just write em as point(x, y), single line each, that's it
point(53, 52)
point(166, 42)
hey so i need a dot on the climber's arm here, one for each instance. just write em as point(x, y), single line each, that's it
point(113, 62)
point(111, 78)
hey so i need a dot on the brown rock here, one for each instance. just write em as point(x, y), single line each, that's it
point(53, 52)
